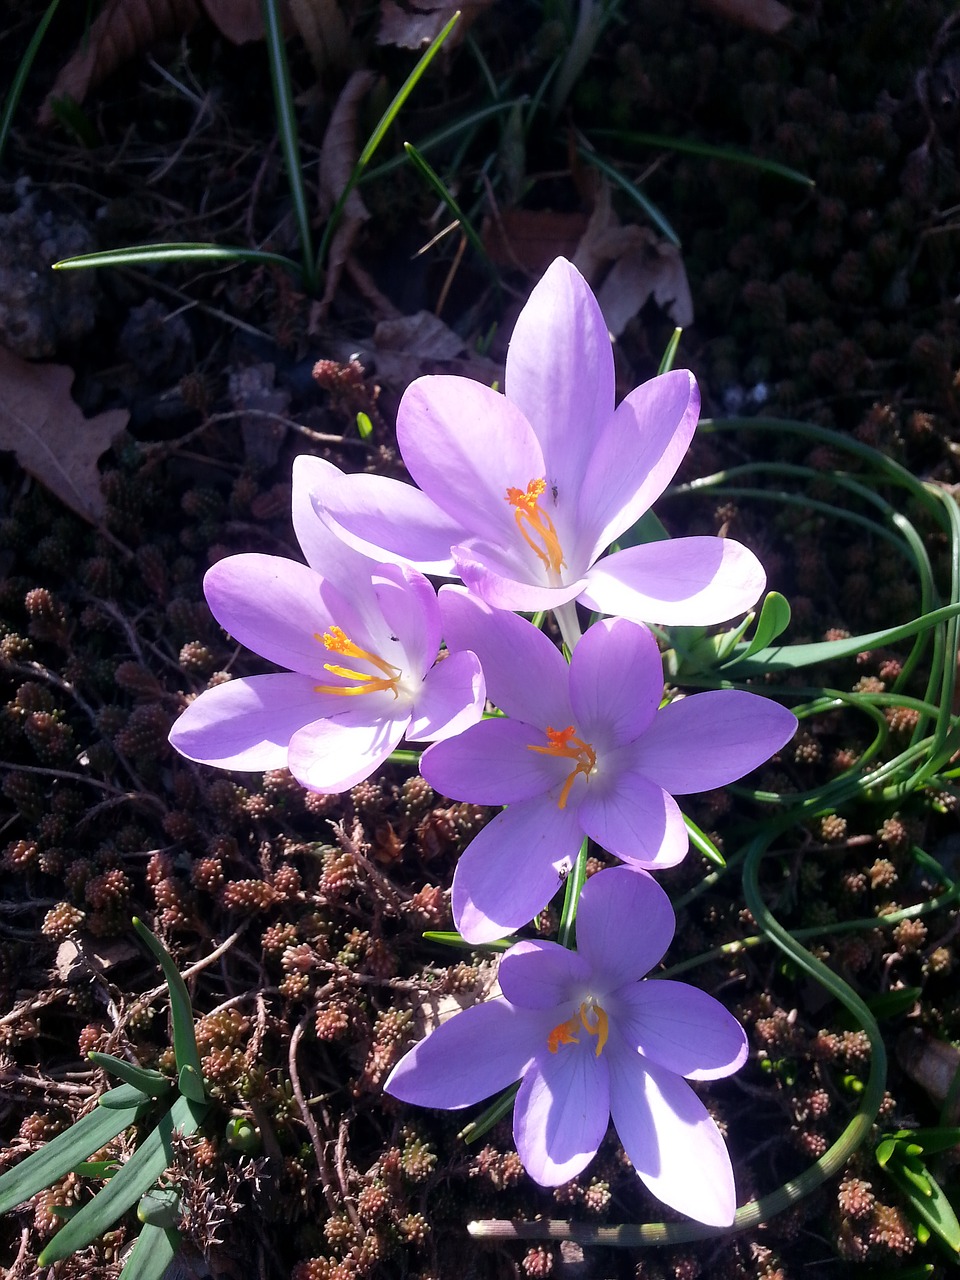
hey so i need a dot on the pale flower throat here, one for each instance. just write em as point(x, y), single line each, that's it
point(536, 527)
point(591, 1018)
point(565, 743)
point(338, 642)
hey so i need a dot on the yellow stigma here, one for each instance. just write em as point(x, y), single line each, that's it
point(337, 641)
point(567, 1032)
point(536, 527)
point(564, 742)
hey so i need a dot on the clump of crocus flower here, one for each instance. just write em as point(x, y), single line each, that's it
point(520, 496)
point(590, 1039)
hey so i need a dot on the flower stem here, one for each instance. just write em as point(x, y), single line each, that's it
point(569, 624)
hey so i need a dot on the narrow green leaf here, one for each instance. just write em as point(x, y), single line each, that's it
point(884, 1151)
point(97, 1168)
point(15, 92)
point(433, 180)
point(160, 1207)
point(934, 1208)
point(773, 621)
point(181, 1010)
point(68, 1149)
point(380, 132)
point(703, 844)
point(891, 1004)
point(643, 202)
point(173, 251)
point(154, 1251)
point(933, 1139)
point(461, 125)
point(191, 1085)
point(666, 364)
point(491, 1116)
point(124, 1098)
point(692, 147)
point(144, 1079)
point(147, 1164)
point(452, 939)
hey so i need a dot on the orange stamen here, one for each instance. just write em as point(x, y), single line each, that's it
point(564, 742)
point(566, 1032)
point(534, 523)
point(339, 642)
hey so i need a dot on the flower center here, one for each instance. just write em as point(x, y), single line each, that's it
point(338, 642)
point(536, 527)
point(591, 1018)
point(564, 742)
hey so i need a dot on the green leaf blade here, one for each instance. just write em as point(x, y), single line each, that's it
point(154, 1251)
point(181, 1010)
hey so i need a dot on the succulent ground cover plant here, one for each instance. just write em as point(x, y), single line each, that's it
point(298, 918)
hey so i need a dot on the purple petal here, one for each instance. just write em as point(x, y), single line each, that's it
point(273, 606)
point(502, 591)
point(317, 541)
point(525, 674)
point(472, 1055)
point(465, 445)
point(680, 582)
point(560, 372)
point(710, 739)
point(247, 724)
point(636, 456)
point(561, 1113)
point(512, 868)
point(634, 818)
point(616, 681)
point(624, 925)
point(386, 519)
point(491, 763)
point(410, 614)
point(542, 975)
point(450, 700)
point(681, 1028)
point(332, 755)
point(672, 1142)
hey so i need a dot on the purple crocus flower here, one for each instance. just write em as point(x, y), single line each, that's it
point(520, 494)
point(589, 1040)
point(582, 750)
point(360, 640)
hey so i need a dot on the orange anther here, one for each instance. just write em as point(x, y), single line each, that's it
point(536, 527)
point(564, 742)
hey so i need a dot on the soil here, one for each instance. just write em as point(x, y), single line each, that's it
point(299, 918)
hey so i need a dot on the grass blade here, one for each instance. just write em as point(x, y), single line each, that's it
point(450, 131)
point(670, 354)
point(68, 1149)
point(694, 148)
point(181, 1010)
point(434, 181)
point(141, 1171)
point(703, 844)
point(186, 251)
point(15, 92)
point(155, 1249)
point(658, 219)
point(379, 133)
point(289, 137)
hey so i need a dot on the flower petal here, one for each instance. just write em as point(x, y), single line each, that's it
point(318, 542)
point(681, 1028)
point(679, 582)
point(386, 519)
point(247, 724)
point(482, 576)
point(408, 613)
point(672, 1142)
point(465, 445)
point(561, 1113)
point(624, 925)
point(634, 818)
point(636, 456)
point(616, 681)
point(273, 606)
point(710, 739)
point(525, 674)
point(332, 755)
point(450, 700)
point(491, 763)
point(469, 1057)
point(512, 868)
point(541, 975)
point(560, 371)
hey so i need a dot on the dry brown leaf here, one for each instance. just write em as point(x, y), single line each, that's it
point(338, 155)
point(769, 16)
point(239, 20)
point(530, 239)
point(420, 21)
point(53, 441)
point(121, 29)
point(324, 31)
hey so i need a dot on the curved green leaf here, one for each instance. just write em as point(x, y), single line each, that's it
point(173, 251)
point(141, 1171)
point(773, 621)
point(191, 1085)
point(160, 1207)
point(144, 1079)
point(181, 1010)
point(155, 1249)
point(68, 1149)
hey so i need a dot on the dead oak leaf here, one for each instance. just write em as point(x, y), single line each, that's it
point(42, 424)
